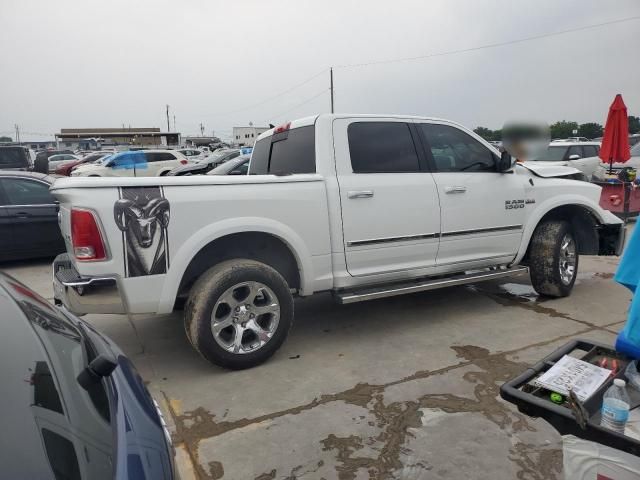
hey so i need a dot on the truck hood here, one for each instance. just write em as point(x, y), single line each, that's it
point(550, 171)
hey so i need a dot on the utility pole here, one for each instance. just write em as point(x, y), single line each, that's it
point(174, 123)
point(168, 126)
point(201, 129)
point(331, 78)
point(17, 132)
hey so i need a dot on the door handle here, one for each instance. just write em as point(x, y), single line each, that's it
point(456, 189)
point(22, 215)
point(360, 194)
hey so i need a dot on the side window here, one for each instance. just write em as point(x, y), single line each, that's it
point(20, 191)
point(589, 150)
point(574, 150)
point(289, 152)
point(382, 147)
point(455, 151)
point(62, 456)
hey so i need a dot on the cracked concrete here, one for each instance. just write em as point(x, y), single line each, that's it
point(400, 388)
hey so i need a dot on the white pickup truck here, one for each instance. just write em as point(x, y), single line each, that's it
point(363, 206)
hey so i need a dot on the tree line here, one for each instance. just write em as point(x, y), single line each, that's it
point(564, 129)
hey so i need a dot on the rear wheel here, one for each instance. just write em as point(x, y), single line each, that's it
point(239, 313)
point(553, 259)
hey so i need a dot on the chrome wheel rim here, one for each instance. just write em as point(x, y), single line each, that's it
point(568, 257)
point(245, 317)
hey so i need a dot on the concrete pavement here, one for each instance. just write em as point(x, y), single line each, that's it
point(403, 388)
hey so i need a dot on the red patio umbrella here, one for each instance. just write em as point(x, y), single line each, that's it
point(615, 142)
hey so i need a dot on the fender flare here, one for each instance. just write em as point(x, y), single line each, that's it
point(181, 258)
point(602, 217)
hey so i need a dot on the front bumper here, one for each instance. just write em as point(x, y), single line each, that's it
point(82, 295)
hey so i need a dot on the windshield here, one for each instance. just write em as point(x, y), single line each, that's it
point(553, 154)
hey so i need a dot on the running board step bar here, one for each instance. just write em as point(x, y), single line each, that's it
point(424, 285)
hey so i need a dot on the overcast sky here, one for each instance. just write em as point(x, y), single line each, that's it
point(90, 63)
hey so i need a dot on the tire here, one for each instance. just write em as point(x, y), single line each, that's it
point(553, 259)
point(236, 298)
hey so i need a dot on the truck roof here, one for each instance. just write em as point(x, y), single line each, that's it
point(305, 121)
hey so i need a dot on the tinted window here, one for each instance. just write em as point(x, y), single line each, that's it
point(377, 147)
point(159, 156)
point(292, 151)
point(455, 151)
point(589, 150)
point(552, 154)
point(13, 157)
point(62, 456)
point(575, 150)
point(20, 191)
point(260, 157)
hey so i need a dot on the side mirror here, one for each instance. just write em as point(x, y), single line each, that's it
point(506, 162)
point(574, 157)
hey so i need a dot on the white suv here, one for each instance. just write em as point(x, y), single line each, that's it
point(133, 163)
point(580, 155)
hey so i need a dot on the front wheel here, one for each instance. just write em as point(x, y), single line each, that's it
point(239, 313)
point(553, 259)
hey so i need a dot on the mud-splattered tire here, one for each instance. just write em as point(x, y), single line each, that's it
point(553, 259)
point(239, 313)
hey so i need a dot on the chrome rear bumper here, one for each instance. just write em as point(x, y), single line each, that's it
point(82, 295)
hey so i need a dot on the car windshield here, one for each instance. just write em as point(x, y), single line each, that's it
point(554, 153)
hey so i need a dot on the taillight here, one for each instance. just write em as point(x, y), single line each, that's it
point(85, 236)
point(184, 162)
point(282, 128)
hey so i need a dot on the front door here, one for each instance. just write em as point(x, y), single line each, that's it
point(32, 213)
point(390, 208)
point(483, 211)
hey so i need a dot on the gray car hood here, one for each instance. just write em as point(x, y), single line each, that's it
point(549, 171)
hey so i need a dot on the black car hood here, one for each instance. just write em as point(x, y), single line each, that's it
point(52, 427)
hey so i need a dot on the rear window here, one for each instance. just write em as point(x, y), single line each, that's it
point(15, 157)
point(285, 153)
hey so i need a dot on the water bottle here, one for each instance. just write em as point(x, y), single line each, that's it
point(615, 407)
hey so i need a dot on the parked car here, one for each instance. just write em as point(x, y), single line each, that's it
point(577, 154)
point(28, 217)
point(204, 165)
point(193, 154)
point(633, 162)
point(362, 206)
point(138, 163)
point(74, 405)
point(60, 159)
point(15, 157)
point(236, 166)
point(65, 169)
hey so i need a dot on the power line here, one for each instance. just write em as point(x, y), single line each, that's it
point(489, 45)
point(249, 107)
point(300, 104)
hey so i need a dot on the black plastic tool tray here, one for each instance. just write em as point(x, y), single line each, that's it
point(535, 401)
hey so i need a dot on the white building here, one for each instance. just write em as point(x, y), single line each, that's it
point(246, 136)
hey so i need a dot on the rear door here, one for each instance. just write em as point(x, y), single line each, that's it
point(483, 210)
point(32, 213)
point(390, 207)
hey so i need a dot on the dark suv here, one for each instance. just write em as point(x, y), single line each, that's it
point(14, 157)
point(74, 406)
